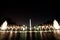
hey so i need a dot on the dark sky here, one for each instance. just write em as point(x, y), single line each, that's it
point(38, 11)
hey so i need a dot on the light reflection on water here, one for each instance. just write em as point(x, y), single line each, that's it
point(24, 35)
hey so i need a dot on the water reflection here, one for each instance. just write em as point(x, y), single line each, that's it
point(24, 35)
point(48, 36)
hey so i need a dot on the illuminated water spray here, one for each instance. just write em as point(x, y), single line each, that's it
point(56, 25)
point(4, 26)
point(30, 24)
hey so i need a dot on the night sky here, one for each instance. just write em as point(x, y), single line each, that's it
point(38, 11)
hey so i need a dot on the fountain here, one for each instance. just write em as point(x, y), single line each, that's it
point(4, 26)
point(56, 25)
point(13, 31)
point(30, 24)
point(56, 29)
